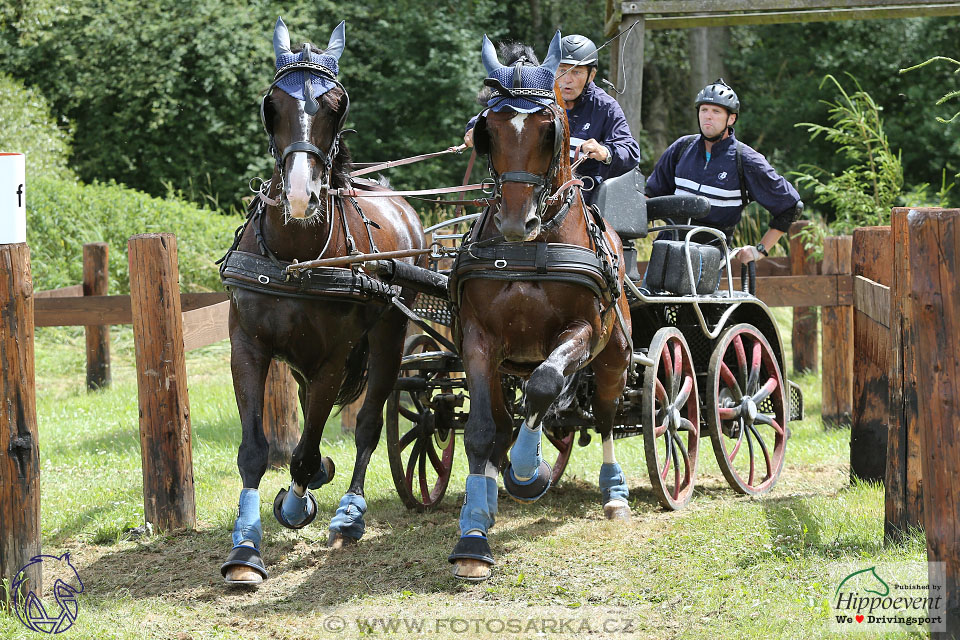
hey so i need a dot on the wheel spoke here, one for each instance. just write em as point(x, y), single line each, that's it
point(660, 392)
point(422, 472)
point(741, 360)
point(409, 413)
point(736, 447)
point(684, 394)
point(746, 433)
point(755, 362)
point(660, 428)
point(728, 413)
point(728, 379)
point(668, 454)
point(557, 442)
point(435, 459)
point(686, 458)
point(409, 437)
point(677, 367)
point(666, 360)
point(766, 453)
point(676, 469)
point(411, 463)
point(686, 425)
point(768, 387)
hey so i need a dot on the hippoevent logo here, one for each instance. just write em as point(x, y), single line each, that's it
point(899, 597)
point(45, 616)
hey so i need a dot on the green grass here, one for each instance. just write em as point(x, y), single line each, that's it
point(727, 566)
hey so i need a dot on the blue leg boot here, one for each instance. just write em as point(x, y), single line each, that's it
point(613, 487)
point(527, 476)
point(347, 525)
point(293, 512)
point(246, 529)
point(476, 517)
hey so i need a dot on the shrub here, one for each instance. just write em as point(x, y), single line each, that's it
point(62, 215)
point(28, 128)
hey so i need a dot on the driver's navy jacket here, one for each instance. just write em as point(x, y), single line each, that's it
point(683, 170)
point(597, 115)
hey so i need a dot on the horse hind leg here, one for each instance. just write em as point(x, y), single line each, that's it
point(527, 477)
point(385, 349)
point(610, 375)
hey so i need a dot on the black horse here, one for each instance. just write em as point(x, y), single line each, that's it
point(327, 323)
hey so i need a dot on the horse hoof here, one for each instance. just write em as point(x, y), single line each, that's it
point(328, 470)
point(278, 510)
point(532, 490)
point(616, 511)
point(471, 570)
point(339, 541)
point(242, 575)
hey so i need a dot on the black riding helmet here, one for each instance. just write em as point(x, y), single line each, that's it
point(578, 50)
point(719, 93)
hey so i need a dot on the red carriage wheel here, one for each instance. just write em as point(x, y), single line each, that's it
point(746, 410)
point(420, 427)
point(564, 446)
point(671, 419)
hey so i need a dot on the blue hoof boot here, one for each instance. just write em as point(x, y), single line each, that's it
point(348, 521)
point(278, 510)
point(324, 474)
point(528, 490)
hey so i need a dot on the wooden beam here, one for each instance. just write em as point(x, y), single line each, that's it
point(89, 310)
point(787, 17)
point(191, 301)
point(632, 99)
point(205, 325)
point(712, 6)
point(73, 291)
point(872, 299)
point(96, 282)
point(806, 327)
point(837, 343)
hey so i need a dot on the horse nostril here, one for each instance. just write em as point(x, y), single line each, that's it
point(314, 203)
point(532, 224)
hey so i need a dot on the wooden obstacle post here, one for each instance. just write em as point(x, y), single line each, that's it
point(903, 490)
point(19, 451)
point(804, 337)
point(837, 340)
point(872, 259)
point(96, 282)
point(281, 421)
point(934, 241)
point(165, 437)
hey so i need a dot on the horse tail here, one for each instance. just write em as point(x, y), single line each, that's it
point(355, 376)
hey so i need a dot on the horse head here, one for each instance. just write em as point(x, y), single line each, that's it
point(304, 121)
point(525, 136)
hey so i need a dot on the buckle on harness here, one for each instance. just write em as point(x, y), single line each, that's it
point(500, 264)
point(262, 279)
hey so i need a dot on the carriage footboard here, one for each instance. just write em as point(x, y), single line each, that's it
point(796, 401)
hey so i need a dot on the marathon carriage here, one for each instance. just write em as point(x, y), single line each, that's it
point(708, 359)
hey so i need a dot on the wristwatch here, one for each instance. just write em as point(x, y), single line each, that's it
point(762, 249)
point(609, 155)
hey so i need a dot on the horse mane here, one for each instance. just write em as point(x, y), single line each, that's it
point(564, 171)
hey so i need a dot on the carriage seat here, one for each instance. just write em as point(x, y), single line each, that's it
point(667, 269)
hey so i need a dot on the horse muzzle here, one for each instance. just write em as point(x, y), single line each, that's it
point(518, 228)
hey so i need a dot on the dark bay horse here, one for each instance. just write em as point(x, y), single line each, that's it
point(326, 324)
point(537, 286)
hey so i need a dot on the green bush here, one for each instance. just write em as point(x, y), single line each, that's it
point(62, 215)
point(28, 128)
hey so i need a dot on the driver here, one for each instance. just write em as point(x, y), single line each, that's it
point(729, 173)
point(597, 123)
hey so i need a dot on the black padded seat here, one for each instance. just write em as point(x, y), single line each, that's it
point(667, 270)
point(623, 205)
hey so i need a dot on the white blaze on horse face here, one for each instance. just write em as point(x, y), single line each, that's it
point(518, 121)
point(298, 185)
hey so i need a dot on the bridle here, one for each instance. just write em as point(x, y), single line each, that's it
point(540, 182)
point(311, 106)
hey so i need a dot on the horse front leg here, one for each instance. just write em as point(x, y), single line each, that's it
point(527, 477)
point(485, 438)
point(297, 507)
point(249, 363)
point(386, 350)
point(610, 369)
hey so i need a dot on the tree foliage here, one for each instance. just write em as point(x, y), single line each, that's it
point(28, 128)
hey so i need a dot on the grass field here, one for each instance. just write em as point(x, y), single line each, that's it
point(727, 566)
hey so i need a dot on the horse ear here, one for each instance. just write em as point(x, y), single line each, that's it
point(281, 39)
point(489, 55)
point(553, 55)
point(337, 42)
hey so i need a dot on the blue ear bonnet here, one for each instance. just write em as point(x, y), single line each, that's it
point(292, 83)
point(531, 77)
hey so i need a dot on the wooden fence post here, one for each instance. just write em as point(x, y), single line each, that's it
point(281, 422)
point(165, 437)
point(873, 259)
point(19, 452)
point(837, 340)
point(903, 490)
point(934, 237)
point(96, 282)
point(804, 318)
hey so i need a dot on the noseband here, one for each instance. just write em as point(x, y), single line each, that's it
point(311, 106)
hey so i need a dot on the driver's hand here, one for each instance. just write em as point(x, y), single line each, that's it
point(749, 254)
point(468, 138)
point(594, 150)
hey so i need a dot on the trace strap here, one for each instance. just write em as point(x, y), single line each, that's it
point(412, 159)
point(390, 194)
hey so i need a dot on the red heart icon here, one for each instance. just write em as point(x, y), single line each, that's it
point(859, 618)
